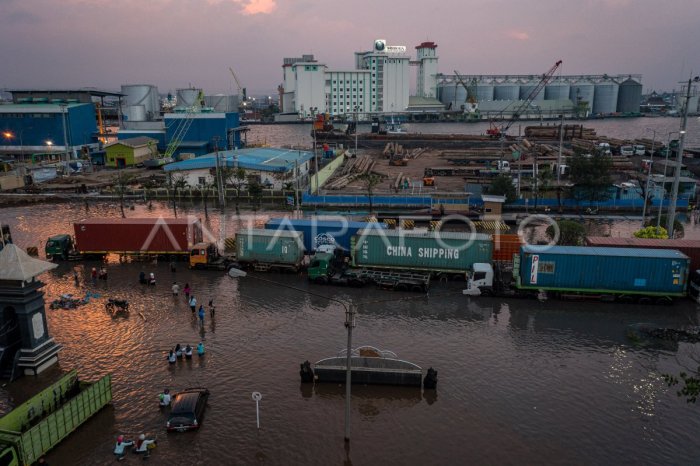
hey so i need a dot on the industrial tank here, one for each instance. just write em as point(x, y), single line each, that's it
point(583, 90)
point(451, 94)
point(629, 96)
point(188, 97)
point(527, 88)
point(557, 91)
point(136, 113)
point(605, 97)
point(484, 92)
point(506, 91)
point(222, 102)
point(145, 95)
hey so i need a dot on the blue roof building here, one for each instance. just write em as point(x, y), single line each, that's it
point(271, 167)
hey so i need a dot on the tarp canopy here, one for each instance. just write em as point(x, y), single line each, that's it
point(16, 264)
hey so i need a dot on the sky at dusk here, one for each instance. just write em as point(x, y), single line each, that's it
point(175, 43)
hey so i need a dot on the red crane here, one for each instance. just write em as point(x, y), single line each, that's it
point(496, 132)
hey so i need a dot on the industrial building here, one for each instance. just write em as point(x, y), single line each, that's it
point(269, 167)
point(130, 152)
point(50, 124)
point(378, 84)
point(192, 128)
point(576, 95)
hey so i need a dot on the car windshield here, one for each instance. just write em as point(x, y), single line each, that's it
point(184, 403)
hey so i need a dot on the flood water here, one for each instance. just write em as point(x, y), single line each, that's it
point(520, 382)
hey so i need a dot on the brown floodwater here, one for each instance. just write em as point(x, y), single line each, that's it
point(520, 382)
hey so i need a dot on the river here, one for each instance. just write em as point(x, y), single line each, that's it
point(520, 382)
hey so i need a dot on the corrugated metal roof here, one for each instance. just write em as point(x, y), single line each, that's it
point(38, 108)
point(258, 158)
point(139, 141)
point(603, 251)
point(642, 242)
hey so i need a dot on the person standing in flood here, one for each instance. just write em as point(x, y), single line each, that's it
point(187, 291)
point(176, 289)
point(193, 304)
point(201, 315)
point(93, 276)
point(212, 309)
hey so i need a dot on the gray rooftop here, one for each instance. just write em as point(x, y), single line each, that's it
point(134, 142)
point(16, 264)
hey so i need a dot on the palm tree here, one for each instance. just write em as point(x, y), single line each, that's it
point(235, 177)
point(120, 184)
point(177, 182)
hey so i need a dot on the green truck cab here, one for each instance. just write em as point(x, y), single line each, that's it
point(58, 247)
point(39, 424)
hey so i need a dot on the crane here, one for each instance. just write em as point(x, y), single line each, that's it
point(471, 103)
point(241, 90)
point(496, 132)
point(183, 126)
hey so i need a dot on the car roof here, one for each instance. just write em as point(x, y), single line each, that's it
point(185, 402)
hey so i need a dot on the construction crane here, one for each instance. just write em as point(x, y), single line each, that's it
point(241, 90)
point(183, 126)
point(496, 132)
point(471, 103)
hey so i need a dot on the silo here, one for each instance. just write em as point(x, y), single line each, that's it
point(136, 113)
point(188, 97)
point(484, 92)
point(222, 102)
point(446, 93)
point(527, 88)
point(605, 97)
point(506, 91)
point(557, 91)
point(583, 91)
point(145, 95)
point(629, 96)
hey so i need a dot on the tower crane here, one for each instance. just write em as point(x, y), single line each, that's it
point(496, 132)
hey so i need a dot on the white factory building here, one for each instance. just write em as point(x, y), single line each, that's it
point(379, 82)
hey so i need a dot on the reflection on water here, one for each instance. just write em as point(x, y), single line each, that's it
point(519, 381)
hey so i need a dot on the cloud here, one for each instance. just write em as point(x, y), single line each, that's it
point(254, 7)
point(518, 35)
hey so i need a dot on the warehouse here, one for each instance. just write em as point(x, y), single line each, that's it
point(130, 152)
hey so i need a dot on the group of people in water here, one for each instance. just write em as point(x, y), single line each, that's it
point(150, 280)
point(141, 445)
point(179, 352)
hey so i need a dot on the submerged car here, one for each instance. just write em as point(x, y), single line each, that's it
point(187, 410)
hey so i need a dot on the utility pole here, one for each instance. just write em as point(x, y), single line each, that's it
point(646, 190)
point(65, 131)
point(313, 123)
point(679, 160)
point(356, 128)
point(296, 190)
point(561, 143)
point(219, 174)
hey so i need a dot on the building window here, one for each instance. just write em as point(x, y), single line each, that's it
point(202, 180)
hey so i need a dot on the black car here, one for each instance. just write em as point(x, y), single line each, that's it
point(187, 410)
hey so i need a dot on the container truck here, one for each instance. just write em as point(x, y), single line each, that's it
point(402, 260)
point(609, 274)
point(270, 249)
point(168, 237)
point(39, 424)
point(59, 247)
point(318, 232)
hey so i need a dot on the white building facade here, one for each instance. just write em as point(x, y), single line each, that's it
point(379, 84)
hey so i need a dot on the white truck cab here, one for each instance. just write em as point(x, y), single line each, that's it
point(480, 280)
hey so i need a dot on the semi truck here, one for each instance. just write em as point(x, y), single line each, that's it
point(575, 272)
point(264, 250)
point(402, 260)
point(39, 424)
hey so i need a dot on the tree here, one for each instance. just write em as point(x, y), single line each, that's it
point(236, 178)
point(204, 190)
point(178, 182)
point(590, 175)
point(542, 183)
point(121, 183)
point(370, 180)
point(651, 232)
point(678, 228)
point(571, 233)
point(255, 190)
point(502, 185)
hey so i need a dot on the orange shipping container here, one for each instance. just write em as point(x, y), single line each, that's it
point(504, 246)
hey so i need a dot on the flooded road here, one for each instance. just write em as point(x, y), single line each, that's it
point(520, 382)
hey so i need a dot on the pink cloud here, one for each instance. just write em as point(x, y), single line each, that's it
point(518, 35)
point(254, 7)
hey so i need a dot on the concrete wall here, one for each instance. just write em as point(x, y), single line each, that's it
point(326, 172)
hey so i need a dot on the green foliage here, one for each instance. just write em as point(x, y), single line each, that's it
point(571, 233)
point(591, 177)
point(370, 180)
point(678, 228)
point(652, 232)
point(502, 185)
point(691, 385)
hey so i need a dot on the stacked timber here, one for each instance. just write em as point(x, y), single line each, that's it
point(394, 150)
point(353, 169)
point(552, 132)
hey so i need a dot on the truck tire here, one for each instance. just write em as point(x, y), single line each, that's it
point(401, 287)
point(418, 288)
point(321, 280)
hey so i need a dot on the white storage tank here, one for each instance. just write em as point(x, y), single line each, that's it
point(506, 91)
point(145, 95)
point(605, 97)
point(188, 97)
point(583, 91)
point(557, 90)
point(136, 113)
point(222, 102)
point(484, 92)
point(527, 88)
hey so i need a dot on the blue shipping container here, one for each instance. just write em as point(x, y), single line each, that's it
point(604, 270)
point(319, 232)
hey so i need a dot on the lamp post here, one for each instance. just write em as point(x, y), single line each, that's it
point(313, 123)
point(349, 325)
point(668, 150)
point(50, 144)
point(356, 128)
point(65, 132)
point(561, 143)
point(646, 189)
point(679, 159)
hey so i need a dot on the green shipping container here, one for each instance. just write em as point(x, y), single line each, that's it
point(270, 246)
point(426, 251)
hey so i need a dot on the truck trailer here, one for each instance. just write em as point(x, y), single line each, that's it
point(319, 232)
point(169, 237)
point(609, 274)
point(270, 249)
point(39, 424)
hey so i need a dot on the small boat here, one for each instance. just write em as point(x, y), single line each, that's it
point(394, 127)
point(370, 365)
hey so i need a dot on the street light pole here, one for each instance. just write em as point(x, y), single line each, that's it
point(561, 142)
point(646, 189)
point(65, 132)
point(668, 150)
point(679, 159)
point(356, 128)
point(349, 325)
point(313, 122)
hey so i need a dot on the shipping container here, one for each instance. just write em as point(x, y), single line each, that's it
point(654, 272)
point(156, 236)
point(274, 247)
point(505, 247)
point(319, 232)
point(428, 251)
point(690, 248)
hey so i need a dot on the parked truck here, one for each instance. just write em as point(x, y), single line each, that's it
point(610, 274)
point(320, 232)
point(59, 247)
point(171, 238)
point(39, 424)
point(264, 250)
point(206, 256)
point(401, 259)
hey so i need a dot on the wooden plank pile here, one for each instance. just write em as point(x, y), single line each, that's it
point(552, 132)
point(353, 169)
point(394, 150)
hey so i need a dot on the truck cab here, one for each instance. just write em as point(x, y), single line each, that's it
point(58, 247)
point(480, 280)
point(206, 255)
point(321, 268)
point(8, 455)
